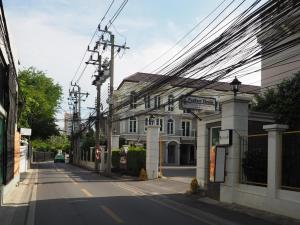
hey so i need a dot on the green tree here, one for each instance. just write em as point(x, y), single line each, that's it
point(42, 99)
point(59, 142)
point(88, 140)
point(283, 101)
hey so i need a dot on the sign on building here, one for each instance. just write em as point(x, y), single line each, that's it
point(198, 103)
point(25, 131)
point(225, 137)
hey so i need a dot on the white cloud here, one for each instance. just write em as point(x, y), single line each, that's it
point(136, 23)
point(55, 43)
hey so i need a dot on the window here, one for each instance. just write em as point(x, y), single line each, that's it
point(187, 111)
point(122, 126)
point(159, 122)
point(146, 123)
point(147, 102)
point(186, 128)
point(132, 125)
point(132, 100)
point(157, 102)
point(170, 127)
point(170, 103)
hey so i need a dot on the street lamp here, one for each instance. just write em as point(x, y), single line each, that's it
point(235, 85)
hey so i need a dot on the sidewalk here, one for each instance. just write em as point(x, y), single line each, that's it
point(14, 208)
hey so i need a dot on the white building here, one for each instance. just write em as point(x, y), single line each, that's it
point(177, 126)
point(68, 123)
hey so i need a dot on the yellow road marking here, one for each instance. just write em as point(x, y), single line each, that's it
point(74, 182)
point(109, 212)
point(88, 194)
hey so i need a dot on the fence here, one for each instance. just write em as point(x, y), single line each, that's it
point(88, 155)
point(254, 159)
point(291, 160)
point(42, 156)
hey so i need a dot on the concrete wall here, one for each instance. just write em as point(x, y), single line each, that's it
point(87, 164)
point(235, 116)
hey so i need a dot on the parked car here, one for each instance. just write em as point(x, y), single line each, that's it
point(59, 158)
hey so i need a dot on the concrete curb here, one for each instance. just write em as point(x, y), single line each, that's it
point(30, 212)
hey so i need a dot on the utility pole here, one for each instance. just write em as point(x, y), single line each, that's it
point(76, 96)
point(98, 105)
point(110, 115)
point(97, 82)
point(112, 45)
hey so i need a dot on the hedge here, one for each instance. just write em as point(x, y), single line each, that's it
point(115, 158)
point(136, 160)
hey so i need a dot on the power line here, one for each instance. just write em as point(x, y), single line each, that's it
point(234, 32)
point(94, 34)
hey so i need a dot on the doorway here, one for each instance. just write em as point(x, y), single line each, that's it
point(171, 153)
point(213, 189)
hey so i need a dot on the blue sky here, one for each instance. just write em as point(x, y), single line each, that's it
point(52, 35)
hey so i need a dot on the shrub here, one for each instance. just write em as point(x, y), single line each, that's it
point(136, 160)
point(194, 186)
point(115, 158)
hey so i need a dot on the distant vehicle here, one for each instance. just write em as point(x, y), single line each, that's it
point(59, 158)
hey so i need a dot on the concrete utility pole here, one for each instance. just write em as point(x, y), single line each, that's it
point(112, 45)
point(98, 106)
point(76, 96)
point(111, 91)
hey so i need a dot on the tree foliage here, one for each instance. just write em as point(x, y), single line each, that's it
point(283, 101)
point(88, 140)
point(42, 99)
point(53, 143)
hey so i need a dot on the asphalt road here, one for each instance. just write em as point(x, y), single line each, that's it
point(67, 195)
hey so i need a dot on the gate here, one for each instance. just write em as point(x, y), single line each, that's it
point(254, 159)
point(291, 160)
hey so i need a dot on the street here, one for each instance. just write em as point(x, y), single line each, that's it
point(64, 194)
point(180, 173)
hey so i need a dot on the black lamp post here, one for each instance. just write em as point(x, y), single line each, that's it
point(235, 85)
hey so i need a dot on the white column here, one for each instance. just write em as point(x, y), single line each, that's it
point(102, 155)
point(166, 153)
point(274, 158)
point(235, 117)
point(202, 154)
point(152, 151)
point(115, 142)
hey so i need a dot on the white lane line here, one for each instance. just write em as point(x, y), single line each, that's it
point(178, 207)
point(131, 189)
point(32, 204)
point(113, 215)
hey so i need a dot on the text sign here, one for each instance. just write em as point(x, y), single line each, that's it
point(198, 103)
point(25, 131)
point(220, 164)
point(225, 137)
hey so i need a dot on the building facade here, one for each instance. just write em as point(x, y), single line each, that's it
point(277, 66)
point(177, 126)
point(68, 123)
point(9, 155)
